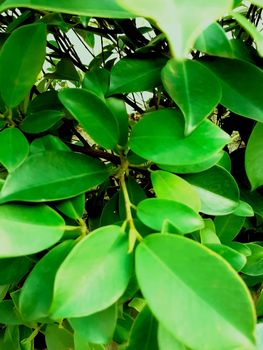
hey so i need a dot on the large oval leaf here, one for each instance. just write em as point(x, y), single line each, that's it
point(94, 275)
point(217, 189)
point(21, 59)
point(254, 157)
point(214, 291)
point(93, 114)
point(28, 229)
point(165, 143)
point(194, 88)
point(52, 176)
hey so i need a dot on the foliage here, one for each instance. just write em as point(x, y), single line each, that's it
point(131, 202)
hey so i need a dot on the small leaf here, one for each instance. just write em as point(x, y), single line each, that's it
point(213, 289)
point(208, 233)
point(194, 88)
point(52, 176)
point(41, 121)
point(95, 262)
point(57, 337)
point(28, 229)
point(254, 157)
point(14, 148)
point(217, 189)
point(228, 226)
point(73, 208)
point(254, 266)
point(65, 70)
point(8, 313)
point(93, 114)
point(155, 213)
point(244, 209)
point(97, 81)
point(21, 59)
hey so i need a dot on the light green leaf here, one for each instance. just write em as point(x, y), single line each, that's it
point(254, 266)
point(254, 157)
point(93, 115)
point(213, 41)
point(133, 75)
point(97, 328)
point(177, 263)
point(194, 88)
point(167, 341)
point(165, 143)
point(157, 213)
point(21, 59)
point(259, 334)
point(52, 176)
point(94, 8)
point(244, 209)
point(28, 229)
point(173, 187)
point(14, 148)
point(217, 189)
point(73, 207)
point(101, 259)
point(208, 233)
point(241, 93)
point(181, 21)
point(228, 226)
point(58, 338)
point(258, 3)
point(34, 304)
point(41, 121)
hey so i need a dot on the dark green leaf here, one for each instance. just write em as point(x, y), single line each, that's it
point(97, 81)
point(41, 121)
point(48, 143)
point(13, 269)
point(58, 338)
point(228, 226)
point(65, 70)
point(8, 313)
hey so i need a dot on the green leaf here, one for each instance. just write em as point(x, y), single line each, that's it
point(21, 59)
point(133, 75)
point(255, 200)
point(225, 161)
point(8, 313)
point(52, 176)
point(173, 187)
point(156, 213)
point(241, 93)
point(244, 209)
point(228, 226)
point(37, 292)
point(28, 229)
point(118, 109)
point(93, 114)
point(144, 332)
point(213, 41)
point(13, 269)
point(95, 262)
point(254, 157)
point(35, 123)
point(73, 207)
point(14, 148)
point(103, 8)
point(165, 143)
point(65, 70)
point(11, 338)
point(177, 263)
point(176, 19)
point(194, 88)
point(97, 81)
point(47, 100)
point(208, 233)
point(167, 341)
point(58, 338)
point(217, 189)
point(254, 266)
point(48, 143)
point(97, 328)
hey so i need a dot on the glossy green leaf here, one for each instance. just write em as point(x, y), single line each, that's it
point(255, 200)
point(194, 88)
point(254, 266)
point(13, 269)
point(11, 338)
point(144, 332)
point(244, 209)
point(41, 121)
point(241, 93)
point(57, 337)
point(177, 263)
point(94, 8)
point(164, 142)
point(171, 186)
point(235, 259)
point(225, 161)
point(51, 176)
point(181, 21)
point(97, 81)
point(167, 341)
point(133, 75)
point(14, 148)
point(95, 262)
point(254, 157)
point(28, 229)
point(118, 109)
point(110, 213)
point(157, 213)
point(48, 143)
point(8, 313)
point(21, 59)
point(33, 303)
point(93, 115)
point(213, 41)
point(208, 233)
point(217, 189)
point(73, 207)
point(240, 247)
point(228, 226)
point(47, 100)
point(97, 328)
point(65, 70)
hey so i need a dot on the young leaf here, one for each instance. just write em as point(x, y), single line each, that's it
point(52, 176)
point(14, 148)
point(41, 121)
point(21, 59)
point(194, 88)
point(28, 229)
point(254, 157)
point(101, 259)
point(165, 143)
point(93, 114)
point(213, 289)
point(37, 292)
